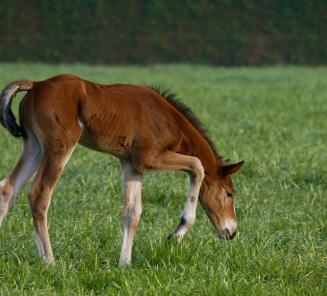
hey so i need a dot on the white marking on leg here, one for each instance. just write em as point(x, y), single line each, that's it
point(133, 214)
point(132, 211)
point(39, 245)
point(30, 161)
point(126, 248)
point(189, 212)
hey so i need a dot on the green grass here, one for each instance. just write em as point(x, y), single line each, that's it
point(273, 118)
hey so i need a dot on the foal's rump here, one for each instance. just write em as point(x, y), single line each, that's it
point(38, 105)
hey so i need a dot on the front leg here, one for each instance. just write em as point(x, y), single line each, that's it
point(132, 210)
point(189, 212)
point(171, 161)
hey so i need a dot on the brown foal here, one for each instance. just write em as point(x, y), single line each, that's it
point(147, 130)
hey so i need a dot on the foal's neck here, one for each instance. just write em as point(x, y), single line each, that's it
point(210, 159)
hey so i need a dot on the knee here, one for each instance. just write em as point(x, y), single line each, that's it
point(134, 214)
point(197, 169)
point(137, 213)
point(132, 218)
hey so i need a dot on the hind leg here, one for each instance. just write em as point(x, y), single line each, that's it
point(22, 173)
point(52, 164)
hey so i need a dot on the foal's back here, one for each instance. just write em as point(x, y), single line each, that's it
point(121, 119)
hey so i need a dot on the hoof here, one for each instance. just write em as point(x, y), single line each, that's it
point(49, 261)
point(173, 235)
point(170, 236)
point(124, 264)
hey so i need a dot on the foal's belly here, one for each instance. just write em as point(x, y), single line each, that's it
point(117, 145)
point(107, 128)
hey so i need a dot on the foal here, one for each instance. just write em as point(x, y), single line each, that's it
point(146, 130)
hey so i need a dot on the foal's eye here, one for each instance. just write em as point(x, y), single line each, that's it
point(229, 194)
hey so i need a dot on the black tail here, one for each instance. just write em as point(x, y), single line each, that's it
point(7, 117)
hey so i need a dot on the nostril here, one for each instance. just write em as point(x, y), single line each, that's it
point(226, 234)
point(229, 235)
point(233, 235)
point(229, 228)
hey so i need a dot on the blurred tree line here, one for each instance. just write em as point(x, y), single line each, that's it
point(225, 32)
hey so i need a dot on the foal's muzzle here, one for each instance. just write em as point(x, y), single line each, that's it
point(229, 230)
point(224, 234)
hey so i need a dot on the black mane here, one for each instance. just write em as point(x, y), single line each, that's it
point(189, 114)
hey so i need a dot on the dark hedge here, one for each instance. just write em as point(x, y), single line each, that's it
point(221, 32)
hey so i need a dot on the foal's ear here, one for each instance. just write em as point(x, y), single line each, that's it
point(230, 169)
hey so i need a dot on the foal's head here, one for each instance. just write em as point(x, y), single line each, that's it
point(217, 199)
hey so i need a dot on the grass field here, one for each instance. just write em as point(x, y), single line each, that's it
point(273, 118)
